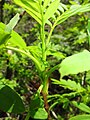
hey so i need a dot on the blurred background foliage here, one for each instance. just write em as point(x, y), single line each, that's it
point(19, 72)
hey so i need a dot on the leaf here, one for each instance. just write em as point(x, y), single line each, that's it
point(75, 64)
point(12, 23)
point(40, 114)
point(52, 7)
point(36, 103)
point(32, 7)
point(17, 40)
point(81, 117)
point(4, 36)
point(13, 37)
point(10, 100)
point(46, 3)
point(6, 30)
point(72, 85)
point(81, 106)
point(73, 11)
point(37, 110)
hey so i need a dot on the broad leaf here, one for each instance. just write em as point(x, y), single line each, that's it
point(5, 31)
point(82, 106)
point(40, 114)
point(12, 37)
point(17, 40)
point(10, 100)
point(37, 110)
point(4, 35)
point(75, 64)
point(81, 117)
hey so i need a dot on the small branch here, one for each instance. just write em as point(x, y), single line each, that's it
point(27, 54)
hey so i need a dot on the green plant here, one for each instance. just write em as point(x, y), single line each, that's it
point(41, 11)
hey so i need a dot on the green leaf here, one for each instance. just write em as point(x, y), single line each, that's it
point(4, 35)
point(81, 106)
point(46, 3)
point(75, 64)
point(40, 114)
point(10, 100)
point(17, 40)
point(72, 85)
point(37, 110)
point(52, 7)
point(75, 9)
point(36, 103)
point(32, 7)
point(81, 117)
point(13, 37)
point(12, 23)
point(6, 30)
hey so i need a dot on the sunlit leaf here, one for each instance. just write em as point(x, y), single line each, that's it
point(17, 40)
point(6, 30)
point(32, 7)
point(12, 23)
point(52, 7)
point(75, 64)
point(75, 9)
point(46, 3)
point(81, 117)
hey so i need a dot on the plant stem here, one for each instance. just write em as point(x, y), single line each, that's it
point(27, 54)
point(45, 94)
point(28, 116)
point(49, 36)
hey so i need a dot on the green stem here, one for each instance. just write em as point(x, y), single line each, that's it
point(45, 86)
point(27, 54)
point(49, 36)
point(28, 116)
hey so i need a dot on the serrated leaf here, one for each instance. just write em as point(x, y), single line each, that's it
point(81, 106)
point(10, 100)
point(81, 117)
point(75, 64)
point(72, 85)
point(73, 11)
point(52, 7)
